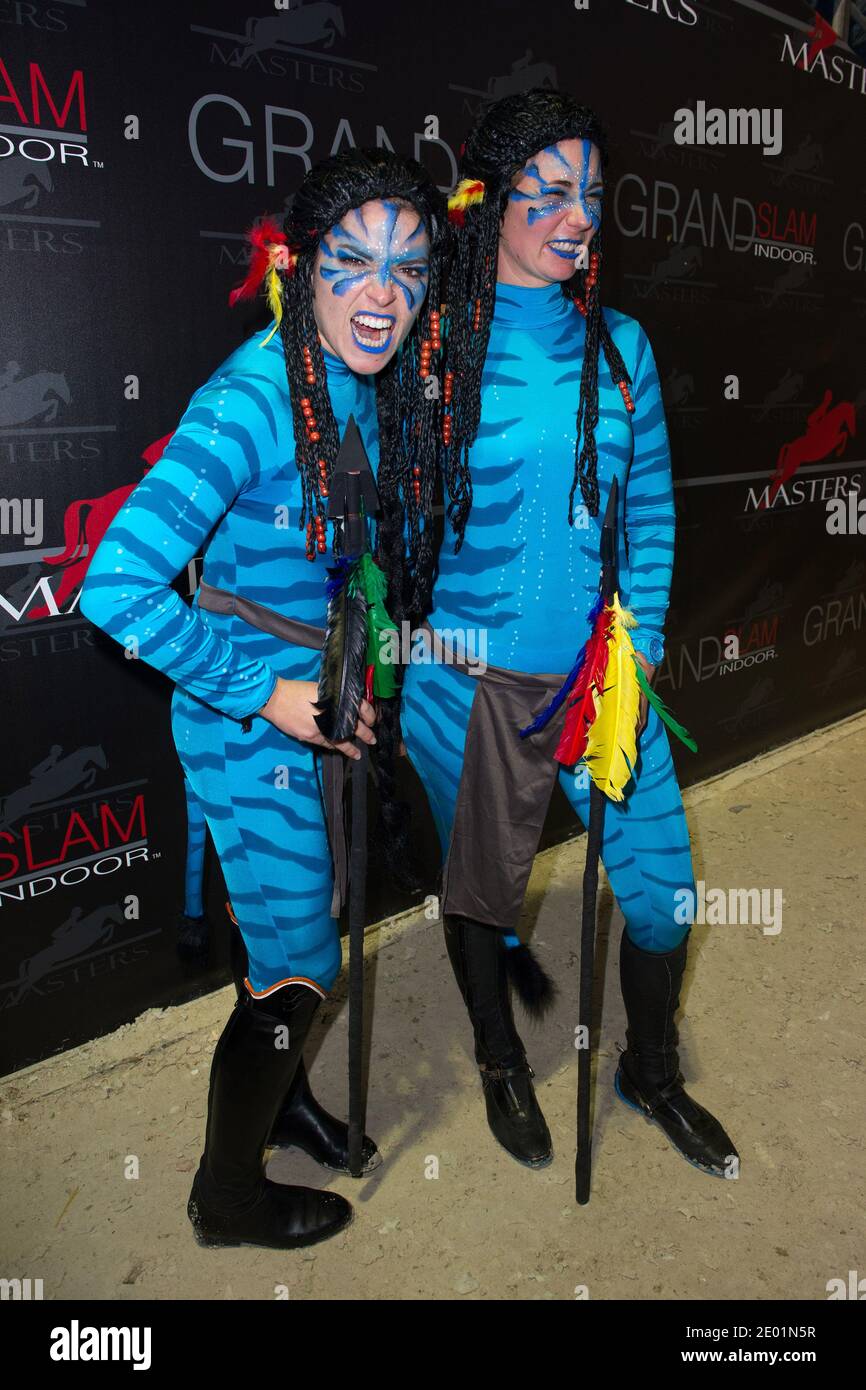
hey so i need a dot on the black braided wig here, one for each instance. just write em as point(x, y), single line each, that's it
point(507, 135)
point(408, 417)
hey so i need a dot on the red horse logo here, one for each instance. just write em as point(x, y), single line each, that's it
point(821, 37)
point(826, 430)
point(82, 528)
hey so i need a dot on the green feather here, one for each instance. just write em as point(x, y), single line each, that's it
point(662, 710)
point(367, 576)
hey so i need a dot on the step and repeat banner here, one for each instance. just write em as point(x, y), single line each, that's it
point(137, 142)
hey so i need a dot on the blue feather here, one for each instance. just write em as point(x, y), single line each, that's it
point(338, 575)
point(549, 711)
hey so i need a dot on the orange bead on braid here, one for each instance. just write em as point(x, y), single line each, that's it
point(590, 282)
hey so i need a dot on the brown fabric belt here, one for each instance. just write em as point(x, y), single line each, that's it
point(257, 615)
point(335, 766)
point(505, 788)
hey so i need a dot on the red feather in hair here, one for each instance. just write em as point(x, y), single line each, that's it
point(581, 711)
point(258, 236)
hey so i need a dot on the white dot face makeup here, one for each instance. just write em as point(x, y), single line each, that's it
point(370, 279)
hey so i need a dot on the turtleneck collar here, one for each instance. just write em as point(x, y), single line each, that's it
point(523, 306)
point(339, 374)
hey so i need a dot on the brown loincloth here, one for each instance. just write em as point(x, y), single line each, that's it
point(504, 791)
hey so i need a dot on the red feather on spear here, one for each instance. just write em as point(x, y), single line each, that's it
point(588, 686)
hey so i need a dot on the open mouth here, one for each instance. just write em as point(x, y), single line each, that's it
point(565, 247)
point(372, 332)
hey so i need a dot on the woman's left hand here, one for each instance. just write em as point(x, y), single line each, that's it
point(649, 671)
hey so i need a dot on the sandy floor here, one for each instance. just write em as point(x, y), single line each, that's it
point(772, 1042)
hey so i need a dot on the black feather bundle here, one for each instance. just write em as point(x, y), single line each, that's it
point(343, 669)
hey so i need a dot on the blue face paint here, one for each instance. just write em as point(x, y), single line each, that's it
point(350, 256)
point(551, 200)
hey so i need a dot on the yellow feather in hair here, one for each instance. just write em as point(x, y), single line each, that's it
point(275, 301)
point(611, 748)
point(467, 192)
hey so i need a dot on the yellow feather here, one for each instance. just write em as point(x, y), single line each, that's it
point(624, 615)
point(611, 749)
point(275, 302)
point(467, 192)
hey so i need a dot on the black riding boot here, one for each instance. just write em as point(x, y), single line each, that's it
point(232, 1202)
point(301, 1122)
point(648, 1077)
point(477, 956)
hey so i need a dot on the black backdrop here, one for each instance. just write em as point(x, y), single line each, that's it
point(195, 117)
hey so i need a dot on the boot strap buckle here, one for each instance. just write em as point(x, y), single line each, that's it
point(497, 1073)
point(665, 1093)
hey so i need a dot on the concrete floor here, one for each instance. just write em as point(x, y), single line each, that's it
point(771, 1041)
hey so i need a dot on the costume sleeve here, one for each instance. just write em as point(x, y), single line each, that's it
point(650, 518)
point(218, 449)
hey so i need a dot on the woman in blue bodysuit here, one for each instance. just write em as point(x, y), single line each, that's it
point(529, 348)
point(246, 475)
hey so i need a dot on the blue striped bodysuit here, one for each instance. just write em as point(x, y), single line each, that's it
point(228, 482)
point(524, 580)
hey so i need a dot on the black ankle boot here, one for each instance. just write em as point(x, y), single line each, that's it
point(648, 1077)
point(232, 1202)
point(303, 1123)
point(477, 956)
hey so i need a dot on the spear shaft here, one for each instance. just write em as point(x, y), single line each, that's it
point(594, 838)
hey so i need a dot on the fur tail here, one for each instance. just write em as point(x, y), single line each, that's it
point(192, 936)
point(535, 989)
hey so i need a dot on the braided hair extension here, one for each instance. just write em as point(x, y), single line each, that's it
point(407, 415)
point(407, 455)
point(509, 133)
